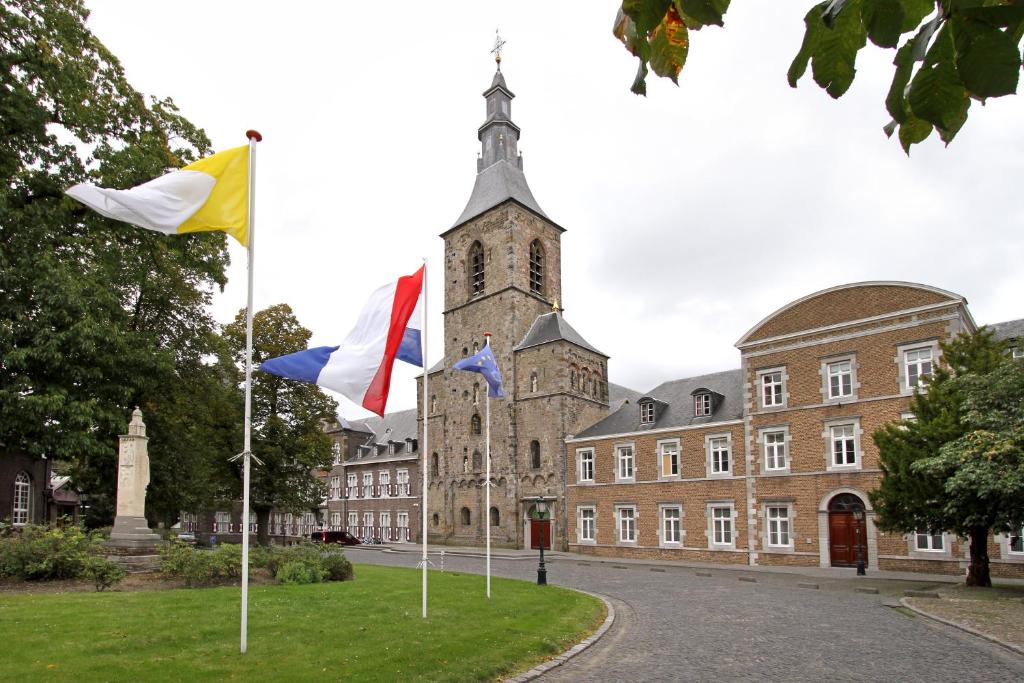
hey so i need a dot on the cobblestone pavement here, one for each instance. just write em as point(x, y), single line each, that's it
point(673, 625)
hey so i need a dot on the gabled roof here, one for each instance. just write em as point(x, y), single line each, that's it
point(677, 394)
point(552, 327)
point(403, 425)
point(498, 183)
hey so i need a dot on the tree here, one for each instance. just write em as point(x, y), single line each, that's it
point(960, 50)
point(958, 465)
point(96, 316)
point(287, 419)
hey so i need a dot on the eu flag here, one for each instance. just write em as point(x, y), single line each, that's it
point(484, 363)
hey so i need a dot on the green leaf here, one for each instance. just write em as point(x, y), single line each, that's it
point(896, 100)
point(1002, 16)
point(883, 20)
point(833, 61)
point(936, 93)
point(831, 11)
point(812, 34)
point(646, 14)
point(914, 12)
point(639, 86)
point(702, 12)
point(625, 30)
point(987, 59)
point(670, 43)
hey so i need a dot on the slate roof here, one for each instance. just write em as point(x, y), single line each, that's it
point(677, 395)
point(552, 327)
point(1011, 329)
point(496, 184)
point(402, 423)
point(618, 394)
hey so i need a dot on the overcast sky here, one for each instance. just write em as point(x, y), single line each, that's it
point(690, 214)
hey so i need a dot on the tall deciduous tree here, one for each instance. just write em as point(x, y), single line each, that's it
point(959, 51)
point(958, 464)
point(287, 419)
point(95, 316)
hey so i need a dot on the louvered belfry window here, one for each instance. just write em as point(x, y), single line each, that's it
point(536, 267)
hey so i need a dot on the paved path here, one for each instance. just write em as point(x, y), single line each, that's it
point(672, 625)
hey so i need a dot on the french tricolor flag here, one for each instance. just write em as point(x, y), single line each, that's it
point(359, 368)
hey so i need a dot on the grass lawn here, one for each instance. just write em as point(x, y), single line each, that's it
point(369, 629)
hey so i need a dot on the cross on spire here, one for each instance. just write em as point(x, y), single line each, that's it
point(496, 51)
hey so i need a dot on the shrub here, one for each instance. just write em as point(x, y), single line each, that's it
point(36, 553)
point(202, 567)
point(103, 573)
point(338, 567)
point(300, 552)
point(299, 571)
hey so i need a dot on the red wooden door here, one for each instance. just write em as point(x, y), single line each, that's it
point(540, 528)
point(844, 535)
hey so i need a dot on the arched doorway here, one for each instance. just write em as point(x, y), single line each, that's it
point(847, 530)
point(537, 529)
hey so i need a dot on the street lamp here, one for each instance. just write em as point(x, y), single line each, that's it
point(540, 513)
point(858, 517)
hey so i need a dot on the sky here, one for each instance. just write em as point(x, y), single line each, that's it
point(691, 214)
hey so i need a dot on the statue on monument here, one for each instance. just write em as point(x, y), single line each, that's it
point(130, 527)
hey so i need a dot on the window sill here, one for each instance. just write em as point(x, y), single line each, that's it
point(844, 468)
point(769, 472)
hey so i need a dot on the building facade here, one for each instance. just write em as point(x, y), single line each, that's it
point(25, 489)
point(771, 464)
point(502, 275)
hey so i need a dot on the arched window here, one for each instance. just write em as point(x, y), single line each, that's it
point(433, 464)
point(474, 424)
point(476, 394)
point(495, 517)
point(22, 499)
point(533, 381)
point(476, 270)
point(477, 461)
point(535, 454)
point(433, 403)
point(436, 520)
point(536, 267)
point(465, 464)
point(465, 516)
point(586, 381)
point(476, 348)
point(574, 379)
point(596, 393)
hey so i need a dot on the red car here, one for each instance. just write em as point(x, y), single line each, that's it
point(335, 537)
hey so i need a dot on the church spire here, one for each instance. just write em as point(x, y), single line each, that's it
point(498, 136)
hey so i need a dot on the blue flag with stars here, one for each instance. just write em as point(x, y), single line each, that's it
point(484, 363)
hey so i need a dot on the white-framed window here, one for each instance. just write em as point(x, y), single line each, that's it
point(587, 525)
point(719, 454)
point(384, 480)
point(353, 519)
point(773, 392)
point(586, 459)
point(402, 522)
point(353, 486)
point(668, 457)
point(929, 542)
point(843, 445)
point(671, 525)
point(916, 364)
point(335, 488)
point(336, 452)
point(839, 379)
point(646, 412)
point(335, 521)
point(368, 520)
point(778, 526)
point(624, 463)
point(367, 484)
point(1015, 542)
point(402, 478)
point(221, 522)
point(702, 405)
point(721, 522)
point(626, 515)
point(774, 444)
point(21, 512)
point(385, 525)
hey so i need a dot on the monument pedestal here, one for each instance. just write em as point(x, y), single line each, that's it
point(131, 534)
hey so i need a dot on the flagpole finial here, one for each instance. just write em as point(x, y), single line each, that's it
point(253, 135)
point(488, 334)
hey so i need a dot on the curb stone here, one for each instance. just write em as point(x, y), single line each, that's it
point(576, 649)
point(963, 627)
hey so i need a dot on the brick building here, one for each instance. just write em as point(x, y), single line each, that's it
point(771, 464)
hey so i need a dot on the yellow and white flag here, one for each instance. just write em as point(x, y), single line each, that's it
point(210, 194)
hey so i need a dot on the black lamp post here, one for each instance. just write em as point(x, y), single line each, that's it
point(541, 514)
point(858, 517)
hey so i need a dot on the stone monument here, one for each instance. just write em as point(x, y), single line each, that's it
point(131, 531)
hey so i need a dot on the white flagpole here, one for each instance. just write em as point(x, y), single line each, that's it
point(426, 440)
point(487, 483)
point(254, 137)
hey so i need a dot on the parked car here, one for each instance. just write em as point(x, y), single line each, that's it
point(186, 537)
point(335, 537)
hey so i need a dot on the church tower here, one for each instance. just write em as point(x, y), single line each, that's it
point(502, 275)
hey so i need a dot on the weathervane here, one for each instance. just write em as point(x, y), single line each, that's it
point(498, 44)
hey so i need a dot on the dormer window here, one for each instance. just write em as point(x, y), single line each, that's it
point(647, 412)
point(701, 405)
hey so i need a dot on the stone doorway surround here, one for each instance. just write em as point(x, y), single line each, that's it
point(824, 558)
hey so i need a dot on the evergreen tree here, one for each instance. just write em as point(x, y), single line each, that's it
point(957, 464)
